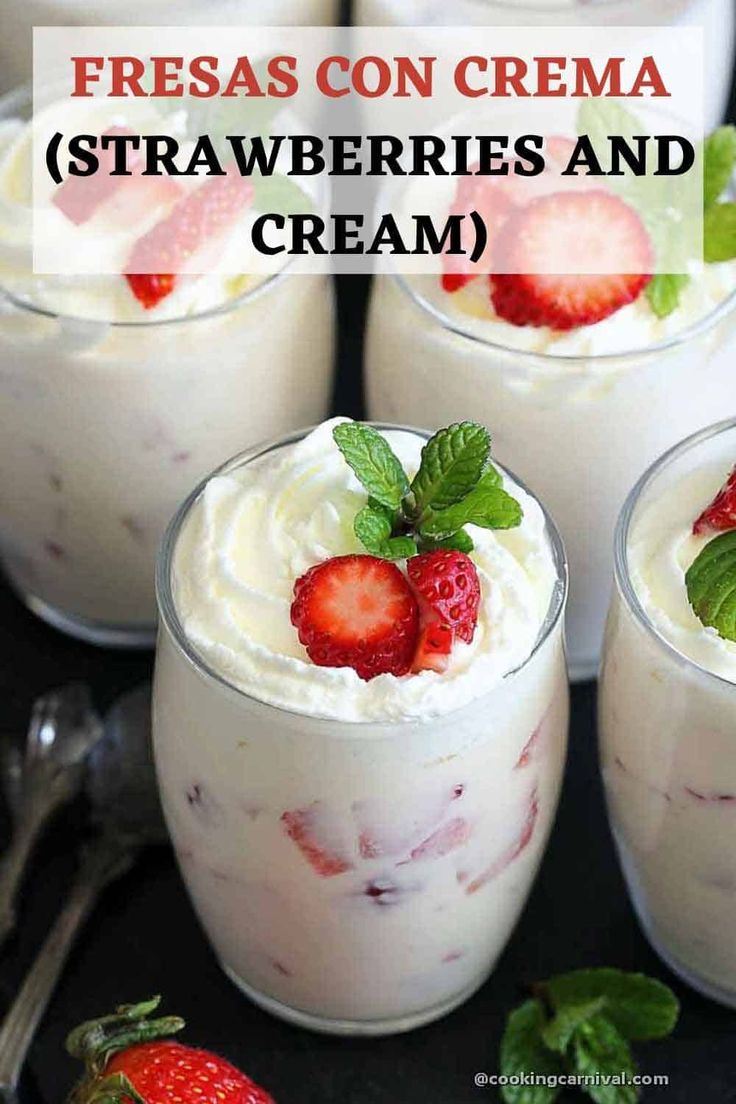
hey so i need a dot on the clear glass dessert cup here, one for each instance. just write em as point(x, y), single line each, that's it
point(380, 939)
point(104, 426)
point(579, 429)
point(668, 764)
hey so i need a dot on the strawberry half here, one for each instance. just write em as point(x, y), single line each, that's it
point(193, 224)
point(359, 612)
point(535, 248)
point(128, 1059)
point(449, 590)
point(434, 648)
point(720, 516)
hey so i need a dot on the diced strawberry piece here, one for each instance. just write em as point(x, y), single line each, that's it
point(721, 514)
point(512, 852)
point(359, 612)
point(447, 838)
point(195, 221)
point(385, 830)
point(302, 827)
point(449, 590)
point(434, 647)
point(79, 196)
point(492, 198)
point(592, 229)
point(530, 747)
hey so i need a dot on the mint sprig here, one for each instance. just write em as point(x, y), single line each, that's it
point(711, 585)
point(456, 485)
point(582, 1023)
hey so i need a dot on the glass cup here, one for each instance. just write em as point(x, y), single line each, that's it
point(105, 426)
point(666, 747)
point(21, 16)
point(578, 429)
point(400, 934)
point(716, 17)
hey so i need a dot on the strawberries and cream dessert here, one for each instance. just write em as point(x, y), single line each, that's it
point(590, 375)
point(667, 707)
point(121, 390)
point(360, 717)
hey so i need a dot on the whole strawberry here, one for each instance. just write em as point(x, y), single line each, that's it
point(130, 1060)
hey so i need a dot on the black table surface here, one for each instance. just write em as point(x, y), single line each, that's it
point(143, 938)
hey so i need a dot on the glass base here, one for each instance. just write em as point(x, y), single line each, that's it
point(700, 985)
point(91, 632)
point(395, 1026)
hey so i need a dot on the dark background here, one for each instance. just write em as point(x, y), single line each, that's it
point(144, 939)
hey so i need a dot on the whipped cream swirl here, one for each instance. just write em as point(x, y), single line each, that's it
point(255, 530)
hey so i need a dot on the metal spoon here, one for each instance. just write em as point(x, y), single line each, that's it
point(127, 816)
point(64, 728)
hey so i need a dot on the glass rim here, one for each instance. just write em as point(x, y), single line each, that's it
point(23, 94)
point(543, 360)
point(169, 616)
point(621, 539)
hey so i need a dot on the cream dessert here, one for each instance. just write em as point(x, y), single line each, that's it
point(715, 17)
point(359, 731)
point(20, 17)
point(596, 375)
point(667, 705)
point(121, 391)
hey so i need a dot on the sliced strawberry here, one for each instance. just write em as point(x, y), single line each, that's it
point(449, 590)
point(447, 838)
point(721, 514)
point(434, 648)
point(386, 828)
point(492, 198)
point(303, 827)
point(193, 224)
point(359, 612)
point(79, 196)
point(510, 853)
point(592, 228)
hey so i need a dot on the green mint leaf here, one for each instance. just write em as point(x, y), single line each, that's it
point(487, 505)
point(452, 463)
point(602, 118)
point(719, 233)
point(601, 1051)
point(373, 526)
point(719, 161)
point(663, 293)
point(640, 1007)
point(373, 461)
point(458, 542)
point(279, 195)
point(558, 1033)
point(522, 1051)
point(711, 585)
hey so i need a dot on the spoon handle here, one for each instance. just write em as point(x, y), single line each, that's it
point(15, 860)
point(106, 860)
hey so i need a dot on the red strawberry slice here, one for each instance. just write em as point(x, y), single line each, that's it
point(591, 228)
point(447, 838)
point(386, 829)
point(359, 612)
point(303, 827)
point(79, 196)
point(449, 590)
point(512, 852)
point(720, 516)
point(493, 199)
point(195, 221)
point(434, 648)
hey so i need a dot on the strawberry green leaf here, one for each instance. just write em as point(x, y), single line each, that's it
point(279, 195)
point(487, 506)
point(639, 1006)
point(452, 463)
point(373, 527)
point(711, 585)
point(523, 1052)
point(373, 462)
point(719, 233)
point(561, 1028)
point(663, 293)
point(719, 161)
point(602, 1054)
